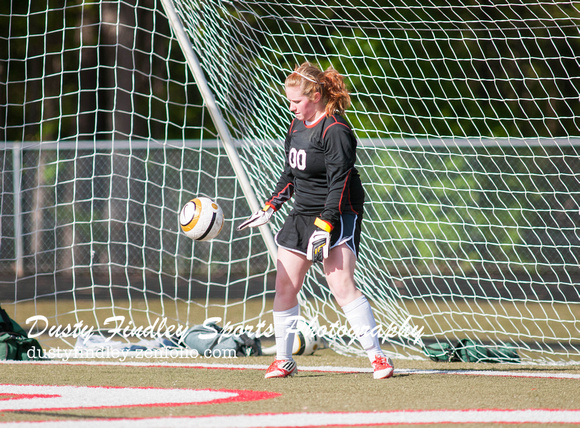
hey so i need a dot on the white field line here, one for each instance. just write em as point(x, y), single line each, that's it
point(329, 369)
point(406, 417)
point(59, 397)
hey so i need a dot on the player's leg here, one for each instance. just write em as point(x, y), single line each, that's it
point(339, 269)
point(291, 270)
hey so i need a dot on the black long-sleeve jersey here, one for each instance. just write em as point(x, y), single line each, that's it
point(320, 170)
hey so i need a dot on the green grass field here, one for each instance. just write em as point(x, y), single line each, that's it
point(412, 387)
point(328, 385)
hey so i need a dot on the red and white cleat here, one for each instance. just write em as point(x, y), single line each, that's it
point(383, 367)
point(281, 368)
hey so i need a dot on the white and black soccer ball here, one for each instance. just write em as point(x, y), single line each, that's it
point(201, 219)
point(306, 341)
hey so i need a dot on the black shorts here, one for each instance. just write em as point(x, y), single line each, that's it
point(298, 228)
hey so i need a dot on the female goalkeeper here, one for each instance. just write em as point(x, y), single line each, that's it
point(325, 223)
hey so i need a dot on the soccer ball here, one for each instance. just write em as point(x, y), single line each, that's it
point(306, 341)
point(201, 219)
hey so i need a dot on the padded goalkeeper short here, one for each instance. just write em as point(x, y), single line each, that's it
point(298, 228)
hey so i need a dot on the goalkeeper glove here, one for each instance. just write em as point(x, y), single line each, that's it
point(319, 242)
point(259, 218)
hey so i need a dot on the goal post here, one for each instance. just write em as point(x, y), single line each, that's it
point(466, 117)
point(218, 120)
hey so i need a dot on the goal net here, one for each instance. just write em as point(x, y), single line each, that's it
point(118, 112)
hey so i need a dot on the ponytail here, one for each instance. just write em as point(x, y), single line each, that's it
point(335, 92)
point(329, 83)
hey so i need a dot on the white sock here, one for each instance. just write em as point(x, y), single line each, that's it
point(284, 328)
point(361, 319)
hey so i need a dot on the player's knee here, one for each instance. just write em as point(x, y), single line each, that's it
point(286, 289)
point(344, 292)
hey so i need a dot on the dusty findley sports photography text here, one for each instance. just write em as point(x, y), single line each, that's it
point(161, 329)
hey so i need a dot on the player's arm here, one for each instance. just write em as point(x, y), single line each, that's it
point(283, 192)
point(340, 158)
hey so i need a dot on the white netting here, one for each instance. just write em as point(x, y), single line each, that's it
point(466, 119)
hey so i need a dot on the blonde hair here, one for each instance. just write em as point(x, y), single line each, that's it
point(329, 83)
